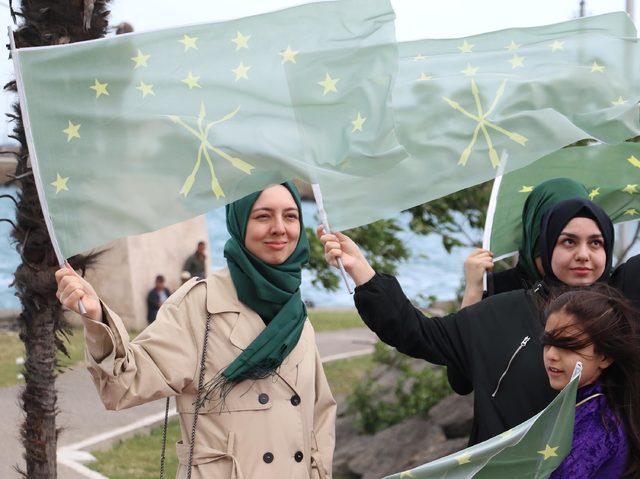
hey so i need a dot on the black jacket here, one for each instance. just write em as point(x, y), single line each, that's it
point(496, 343)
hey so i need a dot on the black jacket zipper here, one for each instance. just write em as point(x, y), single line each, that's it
point(524, 342)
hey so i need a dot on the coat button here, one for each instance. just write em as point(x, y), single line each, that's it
point(298, 456)
point(263, 398)
point(267, 457)
point(295, 399)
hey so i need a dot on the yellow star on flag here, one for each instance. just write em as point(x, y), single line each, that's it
point(358, 122)
point(619, 101)
point(140, 59)
point(288, 55)
point(631, 189)
point(424, 77)
point(549, 452)
point(470, 70)
point(556, 46)
point(145, 89)
point(189, 42)
point(516, 62)
point(513, 46)
point(241, 41)
point(329, 84)
point(192, 81)
point(597, 68)
point(463, 459)
point(466, 47)
point(72, 131)
point(631, 212)
point(593, 193)
point(634, 161)
point(60, 183)
point(526, 189)
point(241, 71)
point(99, 88)
point(419, 57)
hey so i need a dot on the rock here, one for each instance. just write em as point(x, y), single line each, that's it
point(348, 444)
point(436, 452)
point(454, 414)
point(389, 450)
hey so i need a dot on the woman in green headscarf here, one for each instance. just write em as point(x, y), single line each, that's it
point(528, 270)
point(236, 349)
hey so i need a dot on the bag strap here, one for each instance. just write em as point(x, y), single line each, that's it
point(197, 409)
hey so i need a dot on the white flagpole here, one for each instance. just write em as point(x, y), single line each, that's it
point(491, 210)
point(317, 194)
point(33, 159)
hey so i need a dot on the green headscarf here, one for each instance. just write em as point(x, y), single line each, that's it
point(540, 200)
point(272, 291)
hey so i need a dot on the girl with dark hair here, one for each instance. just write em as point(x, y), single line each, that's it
point(236, 350)
point(495, 343)
point(598, 327)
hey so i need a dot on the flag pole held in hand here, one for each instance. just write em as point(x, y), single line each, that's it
point(317, 194)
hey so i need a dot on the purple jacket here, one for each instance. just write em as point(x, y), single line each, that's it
point(599, 449)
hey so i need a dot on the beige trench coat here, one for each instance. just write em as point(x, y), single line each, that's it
point(279, 427)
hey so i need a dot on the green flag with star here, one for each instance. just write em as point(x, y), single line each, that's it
point(611, 174)
point(533, 449)
point(136, 132)
point(468, 109)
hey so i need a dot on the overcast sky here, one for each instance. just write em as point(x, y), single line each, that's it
point(415, 18)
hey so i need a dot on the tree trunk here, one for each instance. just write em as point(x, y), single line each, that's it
point(42, 326)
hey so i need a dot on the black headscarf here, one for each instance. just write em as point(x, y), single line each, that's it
point(557, 218)
point(626, 278)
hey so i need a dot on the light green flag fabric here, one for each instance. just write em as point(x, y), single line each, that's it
point(532, 449)
point(466, 106)
point(136, 132)
point(611, 174)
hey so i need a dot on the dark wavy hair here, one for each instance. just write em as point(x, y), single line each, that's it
point(612, 326)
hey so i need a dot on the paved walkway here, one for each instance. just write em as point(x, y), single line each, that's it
point(83, 417)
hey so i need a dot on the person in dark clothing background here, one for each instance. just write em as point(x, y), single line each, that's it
point(156, 297)
point(195, 264)
point(495, 343)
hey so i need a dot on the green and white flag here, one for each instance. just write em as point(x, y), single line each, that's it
point(533, 449)
point(611, 174)
point(136, 132)
point(465, 106)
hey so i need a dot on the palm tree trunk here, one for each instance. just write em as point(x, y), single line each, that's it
point(42, 326)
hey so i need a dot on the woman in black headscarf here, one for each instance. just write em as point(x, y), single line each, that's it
point(496, 342)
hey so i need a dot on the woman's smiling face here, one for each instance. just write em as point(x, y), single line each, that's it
point(273, 228)
point(579, 256)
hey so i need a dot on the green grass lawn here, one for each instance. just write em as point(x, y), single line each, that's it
point(333, 320)
point(139, 457)
point(12, 348)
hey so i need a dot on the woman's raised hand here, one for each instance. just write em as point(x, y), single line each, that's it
point(479, 261)
point(336, 245)
point(72, 288)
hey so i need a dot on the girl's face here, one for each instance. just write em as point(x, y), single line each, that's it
point(273, 228)
point(559, 363)
point(579, 257)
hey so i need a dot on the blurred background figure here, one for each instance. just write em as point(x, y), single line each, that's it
point(195, 264)
point(156, 297)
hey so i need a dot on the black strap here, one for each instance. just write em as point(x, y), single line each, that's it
point(197, 409)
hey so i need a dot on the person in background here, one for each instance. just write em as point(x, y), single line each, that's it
point(598, 327)
point(156, 297)
point(195, 264)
